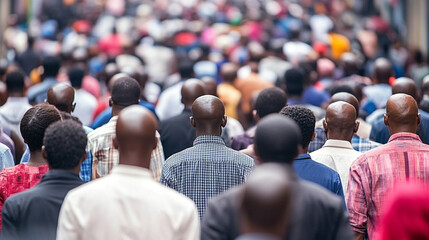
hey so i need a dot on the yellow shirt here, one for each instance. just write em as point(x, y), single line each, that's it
point(230, 96)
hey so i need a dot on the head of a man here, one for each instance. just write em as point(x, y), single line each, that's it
point(401, 114)
point(64, 145)
point(295, 81)
point(136, 136)
point(208, 116)
point(277, 139)
point(306, 121)
point(266, 201)
point(61, 96)
point(382, 70)
point(270, 100)
point(340, 121)
point(191, 90)
point(348, 98)
point(210, 85)
point(76, 74)
point(125, 92)
point(51, 66)
point(15, 83)
point(228, 72)
point(406, 86)
point(35, 122)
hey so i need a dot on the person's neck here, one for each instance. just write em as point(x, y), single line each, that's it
point(16, 94)
point(135, 158)
point(339, 136)
point(402, 130)
point(36, 159)
point(116, 110)
point(303, 150)
point(211, 132)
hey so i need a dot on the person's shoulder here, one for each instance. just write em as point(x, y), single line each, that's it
point(100, 132)
point(227, 198)
point(240, 157)
point(316, 194)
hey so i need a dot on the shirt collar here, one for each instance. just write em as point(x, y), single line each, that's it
point(303, 157)
point(209, 139)
point(129, 170)
point(404, 136)
point(338, 144)
point(17, 100)
point(60, 173)
point(113, 119)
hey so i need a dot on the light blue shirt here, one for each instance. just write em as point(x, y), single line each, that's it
point(6, 158)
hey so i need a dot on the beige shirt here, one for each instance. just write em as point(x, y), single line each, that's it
point(338, 155)
point(127, 204)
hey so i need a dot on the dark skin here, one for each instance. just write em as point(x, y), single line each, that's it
point(115, 107)
point(350, 63)
point(340, 121)
point(191, 90)
point(407, 86)
point(401, 114)
point(208, 116)
point(210, 86)
point(62, 94)
point(229, 72)
point(382, 70)
point(348, 98)
point(135, 136)
point(3, 93)
point(425, 85)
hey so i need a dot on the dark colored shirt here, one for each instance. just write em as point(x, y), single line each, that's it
point(318, 173)
point(33, 214)
point(177, 133)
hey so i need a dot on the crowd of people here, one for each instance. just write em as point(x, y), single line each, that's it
point(256, 119)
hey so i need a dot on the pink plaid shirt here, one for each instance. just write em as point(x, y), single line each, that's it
point(377, 171)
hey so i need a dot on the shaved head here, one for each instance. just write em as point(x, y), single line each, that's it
point(406, 86)
point(61, 96)
point(208, 115)
point(266, 200)
point(348, 98)
point(191, 90)
point(382, 70)
point(401, 114)
point(340, 121)
point(229, 72)
point(136, 136)
point(349, 63)
point(210, 85)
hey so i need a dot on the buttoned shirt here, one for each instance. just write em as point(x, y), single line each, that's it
point(338, 155)
point(105, 156)
point(131, 206)
point(359, 144)
point(206, 170)
point(376, 172)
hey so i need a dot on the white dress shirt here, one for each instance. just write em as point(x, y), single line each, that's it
point(338, 155)
point(127, 204)
point(85, 106)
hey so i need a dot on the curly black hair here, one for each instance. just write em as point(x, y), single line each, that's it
point(270, 100)
point(65, 144)
point(305, 119)
point(35, 122)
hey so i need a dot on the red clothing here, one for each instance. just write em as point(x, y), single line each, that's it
point(405, 214)
point(19, 178)
point(377, 171)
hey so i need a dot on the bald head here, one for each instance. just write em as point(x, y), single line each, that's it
point(277, 139)
point(340, 121)
point(382, 70)
point(350, 63)
point(406, 86)
point(266, 200)
point(210, 85)
point(348, 98)
point(229, 72)
point(191, 90)
point(61, 96)
point(208, 115)
point(401, 114)
point(136, 136)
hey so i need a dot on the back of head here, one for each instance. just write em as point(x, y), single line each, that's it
point(65, 143)
point(304, 118)
point(208, 115)
point(401, 114)
point(277, 139)
point(35, 122)
point(348, 98)
point(125, 92)
point(191, 90)
point(51, 66)
point(15, 81)
point(229, 72)
point(210, 85)
point(76, 75)
point(266, 200)
point(340, 121)
point(294, 81)
point(270, 100)
point(349, 63)
point(136, 133)
point(61, 96)
point(406, 86)
point(186, 68)
point(382, 70)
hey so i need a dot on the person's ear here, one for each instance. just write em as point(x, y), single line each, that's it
point(418, 119)
point(73, 107)
point(313, 136)
point(115, 143)
point(110, 101)
point(192, 120)
point(325, 126)
point(224, 120)
point(356, 127)
point(181, 100)
point(255, 115)
point(44, 153)
point(386, 120)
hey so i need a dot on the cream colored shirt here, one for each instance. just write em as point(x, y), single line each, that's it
point(127, 204)
point(338, 155)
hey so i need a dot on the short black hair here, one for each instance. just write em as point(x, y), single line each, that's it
point(35, 122)
point(126, 91)
point(76, 75)
point(305, 119)
point(68, 116)
point(270, 100)
point(15, 81)
point(51, 66)
point(65, 144)
point(186, 68)
point(341, 88)
point(294, 81)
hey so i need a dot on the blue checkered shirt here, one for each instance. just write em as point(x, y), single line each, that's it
point(205, 170)
point(359, 144)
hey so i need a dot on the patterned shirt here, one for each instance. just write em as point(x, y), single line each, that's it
point(377, 172)
point(19, 178)
point(206, 170)
point(105, 156)
point(359, 144)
